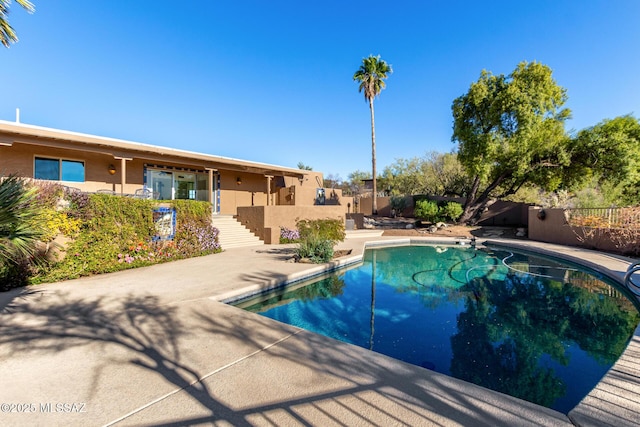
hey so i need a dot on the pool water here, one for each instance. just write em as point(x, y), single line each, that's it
point(528, 326)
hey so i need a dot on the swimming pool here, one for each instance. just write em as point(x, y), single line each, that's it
point(529, 326)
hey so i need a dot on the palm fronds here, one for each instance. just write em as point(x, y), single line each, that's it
point(19, 225)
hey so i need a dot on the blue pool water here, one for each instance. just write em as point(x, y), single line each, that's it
point(528, 326)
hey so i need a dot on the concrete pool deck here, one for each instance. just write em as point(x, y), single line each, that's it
point(154, 346)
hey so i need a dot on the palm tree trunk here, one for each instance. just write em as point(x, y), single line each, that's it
point(374, 205)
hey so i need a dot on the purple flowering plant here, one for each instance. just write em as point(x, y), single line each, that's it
point(194, 238)
point(288, 235)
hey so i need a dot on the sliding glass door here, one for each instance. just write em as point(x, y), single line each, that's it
point(161, 183)
point(185, 185)
point(169, 185)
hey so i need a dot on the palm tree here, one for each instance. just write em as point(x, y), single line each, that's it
point(7, 35)
point(371, 75)
point(19, 220)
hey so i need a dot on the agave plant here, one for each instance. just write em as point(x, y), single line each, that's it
point(19, 225)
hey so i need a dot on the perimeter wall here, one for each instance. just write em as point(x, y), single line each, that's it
point(551, 226)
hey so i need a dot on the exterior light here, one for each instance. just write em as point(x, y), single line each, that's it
point(238, 181)
point(112, 170)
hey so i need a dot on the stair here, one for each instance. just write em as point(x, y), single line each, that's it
point(233, 234)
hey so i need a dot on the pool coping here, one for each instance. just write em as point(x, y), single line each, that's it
point(603, 404)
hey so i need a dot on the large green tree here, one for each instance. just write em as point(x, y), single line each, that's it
point(7, 34)
point(510, 132)
point(607, 155)
point(371, 76)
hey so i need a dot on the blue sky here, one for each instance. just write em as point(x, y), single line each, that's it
point(271, 81)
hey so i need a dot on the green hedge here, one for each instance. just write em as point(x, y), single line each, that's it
point(116, 233)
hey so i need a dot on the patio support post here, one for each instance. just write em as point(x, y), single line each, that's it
point(123, 172)
point(211, 195)
point(268, 188)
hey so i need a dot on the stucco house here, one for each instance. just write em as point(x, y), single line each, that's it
point(261, 196)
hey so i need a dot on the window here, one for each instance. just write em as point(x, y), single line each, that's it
point(59, 170)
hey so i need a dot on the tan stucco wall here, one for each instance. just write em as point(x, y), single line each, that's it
point(312, 179)
point(20, 159)
point(554, 229)
point(250, 192)
point(384, 206)
point(265, 221)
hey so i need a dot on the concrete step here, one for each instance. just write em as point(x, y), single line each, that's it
point(233, 234)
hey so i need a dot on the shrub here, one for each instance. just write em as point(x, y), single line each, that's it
point(15, 274)
point(451, 211)
point(317, 238)
point(78, 203)
point(326, 229)
point(48, 193)
point(398, 204)
point(316, 250)
point(426, 210)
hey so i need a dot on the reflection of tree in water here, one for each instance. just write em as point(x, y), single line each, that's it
point(433, 274)
point(509, 324)
point(329, 287)
point(326, 288)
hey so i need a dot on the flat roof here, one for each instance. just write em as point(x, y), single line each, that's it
point(19, 132)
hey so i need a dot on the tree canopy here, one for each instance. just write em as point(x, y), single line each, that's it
point(607, 155)
point(434, 173)
point(510, 131)
point(7, 33)
point(302, 166)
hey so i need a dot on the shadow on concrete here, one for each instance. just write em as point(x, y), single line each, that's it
point(281, 254)
point(348, 385)
point(367, 387)
point(10, 299)
point(139, 324)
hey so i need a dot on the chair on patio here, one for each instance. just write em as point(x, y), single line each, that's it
point(143, 193)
